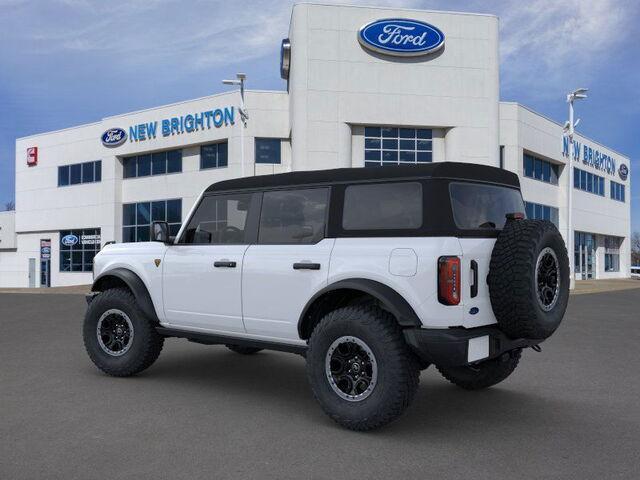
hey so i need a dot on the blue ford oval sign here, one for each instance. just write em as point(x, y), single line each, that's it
point(69, 240)
point(623, 171)
point(114, 137)
point(401, 37)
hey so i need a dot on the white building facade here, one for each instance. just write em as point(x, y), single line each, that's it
point(353, 100)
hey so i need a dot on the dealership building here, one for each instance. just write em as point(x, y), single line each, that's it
point(364, 87)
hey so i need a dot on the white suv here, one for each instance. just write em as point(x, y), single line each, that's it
point(371, 274)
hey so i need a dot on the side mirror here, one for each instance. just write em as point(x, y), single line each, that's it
point(160, 232)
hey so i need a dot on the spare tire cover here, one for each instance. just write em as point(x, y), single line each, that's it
point(529, 279)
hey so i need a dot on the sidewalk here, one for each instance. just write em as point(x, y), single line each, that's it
point(598, 286)
point(74, 290)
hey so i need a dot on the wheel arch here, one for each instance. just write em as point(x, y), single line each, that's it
point(345, 292)
point(123, 277)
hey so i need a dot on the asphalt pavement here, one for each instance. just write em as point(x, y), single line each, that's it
point(572, 411)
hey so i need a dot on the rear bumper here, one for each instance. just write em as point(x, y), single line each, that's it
point(460, 346)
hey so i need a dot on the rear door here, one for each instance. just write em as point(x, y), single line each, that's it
point(202, 274)
point(479, 211)
point(289, 263)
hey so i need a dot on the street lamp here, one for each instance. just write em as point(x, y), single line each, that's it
point(244, 114)
point(577, 94)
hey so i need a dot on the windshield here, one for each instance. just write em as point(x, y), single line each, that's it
point(477, 206)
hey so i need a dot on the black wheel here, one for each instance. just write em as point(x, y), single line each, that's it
point(482, 375)
point(360, 369)
point(118, 337)
point(243, 350)
point(529, 279)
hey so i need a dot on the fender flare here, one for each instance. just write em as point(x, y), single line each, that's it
point(392, 301)
point(135, 284)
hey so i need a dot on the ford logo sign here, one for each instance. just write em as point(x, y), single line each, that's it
point(114, 137)
point(69, 240)
point(623, 171)
point(401, 37)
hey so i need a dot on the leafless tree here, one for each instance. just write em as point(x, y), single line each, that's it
point(635, 248)
point(11, 205)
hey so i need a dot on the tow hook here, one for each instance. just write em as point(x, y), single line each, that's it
point(536, 348)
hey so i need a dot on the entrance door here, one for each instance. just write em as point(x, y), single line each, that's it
point(45, 273)
point(202, 273)
point(32, 273)
point(585, 246)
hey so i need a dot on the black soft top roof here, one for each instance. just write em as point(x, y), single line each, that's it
point(450, 170)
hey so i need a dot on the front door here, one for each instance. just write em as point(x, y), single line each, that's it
point(585, 246)
point(202, 272)
point(289, 263)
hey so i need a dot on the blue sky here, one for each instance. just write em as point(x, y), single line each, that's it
point(67, 62)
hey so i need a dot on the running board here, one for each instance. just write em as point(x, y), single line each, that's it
point(215, 339)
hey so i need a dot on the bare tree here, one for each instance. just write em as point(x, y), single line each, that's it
point(10, 205)
point(635, 248)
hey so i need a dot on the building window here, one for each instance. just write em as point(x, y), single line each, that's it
point(539, 169)
point(396, 146)
point(214, 155)
point(159, 163)
point(137, 218)
point(612, 254)
point(588, 182)
point(268, 150)
point(536, 211)
point(77, 249)
point(617, 191)
point(88, 172)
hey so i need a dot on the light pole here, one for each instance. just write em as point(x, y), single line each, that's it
point(578, 94)
point(244, 115)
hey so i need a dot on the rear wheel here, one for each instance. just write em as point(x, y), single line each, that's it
point(482, 375)
point(118, 337)
point(241, 349)
point(360, 369)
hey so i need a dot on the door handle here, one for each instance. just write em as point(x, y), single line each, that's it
point(224, 264)
point(474, 272)
point(306, 266)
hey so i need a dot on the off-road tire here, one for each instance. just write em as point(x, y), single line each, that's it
point(398, 370)
point(243, 350)
point(146, 344)
point(482, 375)
point(512, 279)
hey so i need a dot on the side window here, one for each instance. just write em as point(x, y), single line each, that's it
point(219, 219)
point(293, 216)
point(383, 206)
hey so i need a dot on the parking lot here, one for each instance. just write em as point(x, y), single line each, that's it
point(572, 411)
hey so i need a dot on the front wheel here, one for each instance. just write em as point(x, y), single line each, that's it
point(360, 369)
point(482, 375)
point(118, 337)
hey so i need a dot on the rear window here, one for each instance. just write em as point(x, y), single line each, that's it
point(383, 206)
point(476, 206)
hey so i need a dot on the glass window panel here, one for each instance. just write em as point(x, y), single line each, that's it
point(159, 211)
point(267, 150)
point(601, 183)
point(143, 213)
point(424, 157)
point(129, 234)
point(528, 166)
point(424, 133)
point(144, 165)
point(407, 157)
point(384, 206)
point(538, 212)
point(423, 145)
point(407, 144)
point(390, 144)
point(87, 172)
point(174, 228)
point(65, 261)
point(293, 216)
point(576, 178)
point(63, 176)
point(174, 211)
point(129, 214)
point(98, 171)
point(372, 154)
point(554, 174)
point(583, 179)
point(529, 210)
point(174, 161)
point(222, 154)
point(129, 167)
point(537, 169)
point(143, 233)
point(372, 164)
point(159, 163)
point(75, 174)
point(389, 156)
point(372, 131)
point(389, 132)
point(208, 156)
point(372, 143)
point(546, 171)
point(407, 133)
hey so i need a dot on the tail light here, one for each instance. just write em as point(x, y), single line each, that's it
point(449, 280)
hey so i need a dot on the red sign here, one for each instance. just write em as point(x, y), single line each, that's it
point(32, 156)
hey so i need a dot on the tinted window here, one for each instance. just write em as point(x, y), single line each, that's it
point(478, 206)
point(213, 156)
point(137, 218)
point(63, 176)
point(267, 150)
point(76, 173)
point(383, 206)
point(293, 216)
point(219, 219)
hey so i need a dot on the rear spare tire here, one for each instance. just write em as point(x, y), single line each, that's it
point(529, 279)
